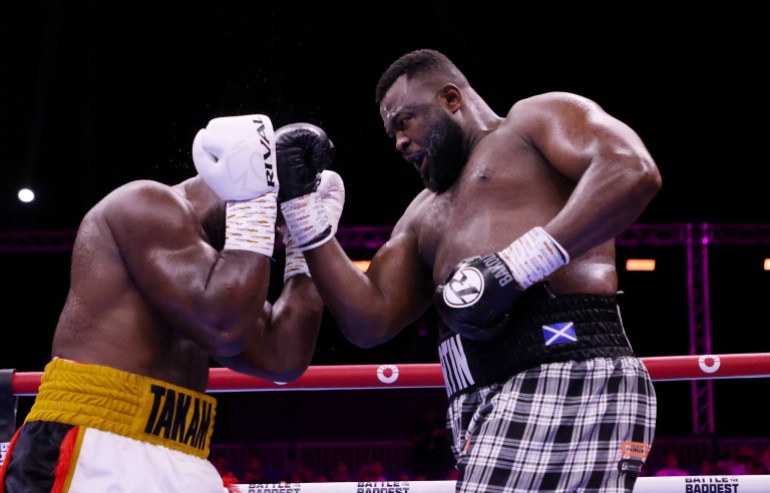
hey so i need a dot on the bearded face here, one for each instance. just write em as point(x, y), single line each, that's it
point(444, 151)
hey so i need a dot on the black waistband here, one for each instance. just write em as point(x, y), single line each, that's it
point(544, 328)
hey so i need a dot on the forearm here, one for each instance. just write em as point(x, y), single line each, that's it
point(294, 326)
point(234, 291)
point(368, 309)
point(282, 347)
point(604, 204)
point(364, 309)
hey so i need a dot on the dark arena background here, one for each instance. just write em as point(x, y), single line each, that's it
point(95, 94)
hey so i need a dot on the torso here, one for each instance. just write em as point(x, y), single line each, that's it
point(107, 321)
point(505, 189)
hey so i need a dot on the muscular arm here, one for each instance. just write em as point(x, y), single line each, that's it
point(371, 308)
point(217, 299)
point(282, 348)
point(615, 177)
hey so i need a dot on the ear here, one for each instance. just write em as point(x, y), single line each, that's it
point(450, 97)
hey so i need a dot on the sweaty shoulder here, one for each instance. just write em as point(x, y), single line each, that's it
point(545, 108)
point(416, 212)
point(139, 204)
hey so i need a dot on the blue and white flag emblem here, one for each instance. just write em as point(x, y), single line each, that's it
point(559, 333)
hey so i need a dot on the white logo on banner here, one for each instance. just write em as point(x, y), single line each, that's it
point(3, 450)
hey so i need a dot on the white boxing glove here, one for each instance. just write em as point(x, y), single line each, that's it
point(235, 156)
point(331, 191)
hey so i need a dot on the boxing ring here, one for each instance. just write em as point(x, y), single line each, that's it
point(429, 375)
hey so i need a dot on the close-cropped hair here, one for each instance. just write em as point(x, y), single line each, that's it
point(416, 64)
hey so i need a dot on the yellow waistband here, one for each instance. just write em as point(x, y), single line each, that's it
point(125, 404)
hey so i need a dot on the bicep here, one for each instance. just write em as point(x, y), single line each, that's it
point(612, 172)
point(573, 133)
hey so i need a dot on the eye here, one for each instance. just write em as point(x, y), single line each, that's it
point(399, 124)
point(403, 121)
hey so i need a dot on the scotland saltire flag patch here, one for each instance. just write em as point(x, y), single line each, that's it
point(559, 333)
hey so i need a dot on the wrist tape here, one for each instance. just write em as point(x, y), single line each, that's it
point(295, 262)
point(533, 256)
point(250, 224)
point(306, 219)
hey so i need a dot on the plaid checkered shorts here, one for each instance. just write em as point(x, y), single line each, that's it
point(570, 427)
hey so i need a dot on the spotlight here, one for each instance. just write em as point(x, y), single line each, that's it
point(26, 195)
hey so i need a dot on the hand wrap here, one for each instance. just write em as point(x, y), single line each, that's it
point(332, 193)
point(477, 296)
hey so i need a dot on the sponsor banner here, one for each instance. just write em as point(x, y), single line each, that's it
point(666, 484)
point(703, 484)
point(353, 487)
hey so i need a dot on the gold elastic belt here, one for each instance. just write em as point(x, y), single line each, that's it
point(126, 404)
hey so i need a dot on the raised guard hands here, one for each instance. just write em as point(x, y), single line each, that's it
point(236, 157)
point(304, 151)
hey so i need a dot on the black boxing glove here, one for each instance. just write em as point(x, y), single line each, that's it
point(477, 296)
point(303, 151)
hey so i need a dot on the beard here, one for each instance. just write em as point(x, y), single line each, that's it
point(447, 156)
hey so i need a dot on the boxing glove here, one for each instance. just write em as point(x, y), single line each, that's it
point(479, 293)
point(235, 156)
point(304, 151)
point(332, 192)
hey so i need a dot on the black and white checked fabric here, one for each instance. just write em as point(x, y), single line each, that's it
point(560, 427)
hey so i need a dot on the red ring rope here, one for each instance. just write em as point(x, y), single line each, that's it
point(397, 376)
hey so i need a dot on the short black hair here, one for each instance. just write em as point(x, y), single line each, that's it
point(416, 63)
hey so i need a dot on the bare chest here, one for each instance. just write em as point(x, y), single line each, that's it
point(496, 199)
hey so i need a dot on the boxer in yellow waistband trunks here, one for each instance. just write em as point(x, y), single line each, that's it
point(165, 278)
point(92, 427)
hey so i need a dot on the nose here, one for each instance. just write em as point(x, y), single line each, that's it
point(402, 142)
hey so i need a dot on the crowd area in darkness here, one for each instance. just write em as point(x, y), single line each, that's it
point(432, 463)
